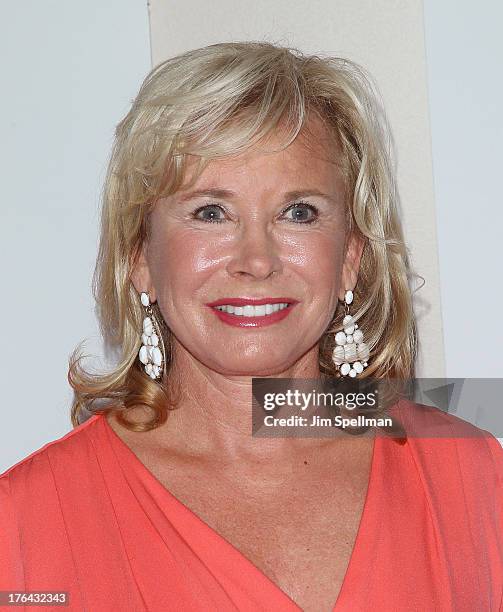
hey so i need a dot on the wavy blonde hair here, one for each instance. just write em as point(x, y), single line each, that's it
point(219, 101)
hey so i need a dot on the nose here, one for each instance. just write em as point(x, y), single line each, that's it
point(255, 253)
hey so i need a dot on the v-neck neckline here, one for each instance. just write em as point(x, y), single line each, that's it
point(361, 534)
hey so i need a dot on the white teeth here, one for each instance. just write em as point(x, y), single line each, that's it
point(252, 311)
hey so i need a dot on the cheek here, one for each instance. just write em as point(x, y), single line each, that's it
point(178, 261)
point(319, 257)
point(319, 264)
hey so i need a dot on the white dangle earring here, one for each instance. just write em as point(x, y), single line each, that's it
point(150, 353)
point(351, 353)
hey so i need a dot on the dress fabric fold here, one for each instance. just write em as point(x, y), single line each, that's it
point(83, 515)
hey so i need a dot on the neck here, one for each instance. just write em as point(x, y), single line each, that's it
point(213, 416)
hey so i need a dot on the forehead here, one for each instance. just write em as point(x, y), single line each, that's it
point(313, 159)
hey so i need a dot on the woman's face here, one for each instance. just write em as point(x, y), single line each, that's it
point(254, 226)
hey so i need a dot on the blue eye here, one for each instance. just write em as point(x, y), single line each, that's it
point(211, 208)
point(304, 208)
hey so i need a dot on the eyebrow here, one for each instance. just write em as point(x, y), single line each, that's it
point(227, 193)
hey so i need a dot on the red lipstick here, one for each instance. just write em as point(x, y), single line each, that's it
point(258, 321)
point(252, 301)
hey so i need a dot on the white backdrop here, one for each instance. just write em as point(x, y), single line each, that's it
point(465, 57)
point(69, 72)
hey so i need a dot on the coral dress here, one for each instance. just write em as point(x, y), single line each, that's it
point(82, 514)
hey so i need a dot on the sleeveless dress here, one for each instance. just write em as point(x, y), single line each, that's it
point(83, 515)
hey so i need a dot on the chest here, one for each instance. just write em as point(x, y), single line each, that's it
point(299, 533)
point(303, 547)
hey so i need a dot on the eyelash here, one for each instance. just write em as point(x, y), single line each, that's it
point(295, 205)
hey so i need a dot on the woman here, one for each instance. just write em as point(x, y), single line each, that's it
point(250, 229)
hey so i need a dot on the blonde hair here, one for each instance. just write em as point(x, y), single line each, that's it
point(218, 101)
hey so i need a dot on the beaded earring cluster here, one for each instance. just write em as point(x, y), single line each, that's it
point(351, 353)
point(150, 354)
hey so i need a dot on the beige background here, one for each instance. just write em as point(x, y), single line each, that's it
point(387, 39)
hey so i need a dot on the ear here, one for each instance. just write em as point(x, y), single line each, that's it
point(351, 264)
point(140, 273)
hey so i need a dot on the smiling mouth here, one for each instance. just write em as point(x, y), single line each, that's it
point(252, 315)
point(248, 310)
